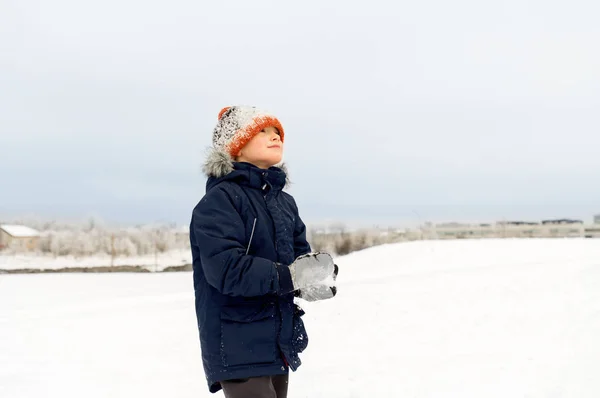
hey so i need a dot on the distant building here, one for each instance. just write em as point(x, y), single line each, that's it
point(462, 231)
point(18, 236)
point(597, 219)
point(592, 231)
point(562, 221)
point(517, 223)
point(452, 224)
point(513, 229)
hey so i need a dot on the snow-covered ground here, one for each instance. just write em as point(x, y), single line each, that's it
point(151, 262)
point(489, 318)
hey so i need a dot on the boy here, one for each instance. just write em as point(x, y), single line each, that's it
point(250, 259)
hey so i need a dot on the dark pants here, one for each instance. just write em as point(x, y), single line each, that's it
point(256, 387)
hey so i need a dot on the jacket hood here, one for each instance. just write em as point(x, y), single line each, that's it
point(220, 166)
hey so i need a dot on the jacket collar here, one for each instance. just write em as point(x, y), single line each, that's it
point(273, 177)
point(219, 166)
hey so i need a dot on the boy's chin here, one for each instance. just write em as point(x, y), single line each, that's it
point(275, 161)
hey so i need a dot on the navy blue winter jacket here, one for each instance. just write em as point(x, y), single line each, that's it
point(244, 234)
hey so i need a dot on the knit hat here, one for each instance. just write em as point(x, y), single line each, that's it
point(238, 125)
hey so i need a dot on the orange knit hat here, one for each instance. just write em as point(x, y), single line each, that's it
point(239, 124)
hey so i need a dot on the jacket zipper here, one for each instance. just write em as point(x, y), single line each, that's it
point(251, 236)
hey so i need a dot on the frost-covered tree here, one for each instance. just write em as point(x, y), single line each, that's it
point(94, 237)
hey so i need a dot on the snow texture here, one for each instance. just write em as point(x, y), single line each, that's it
point(151, 262)
point(19, 231)
point(430, 319)
point(234, 121)
point(310, 268)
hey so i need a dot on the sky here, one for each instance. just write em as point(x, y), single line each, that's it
point(395, 112)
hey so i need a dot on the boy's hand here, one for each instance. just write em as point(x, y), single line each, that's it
point(313, 269)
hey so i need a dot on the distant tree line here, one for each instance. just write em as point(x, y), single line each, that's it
point(94, 237)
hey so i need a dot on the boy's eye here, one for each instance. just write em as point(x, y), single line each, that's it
point(276, 132)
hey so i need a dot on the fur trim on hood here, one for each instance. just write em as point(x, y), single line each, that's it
point(219, 163)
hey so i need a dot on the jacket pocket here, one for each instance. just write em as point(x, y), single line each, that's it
point(299, 335)
point(249, 335)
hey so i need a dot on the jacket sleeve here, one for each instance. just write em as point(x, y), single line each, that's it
point(220, 236)
point(301, 245)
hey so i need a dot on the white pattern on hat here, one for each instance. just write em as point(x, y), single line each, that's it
point(234, 122)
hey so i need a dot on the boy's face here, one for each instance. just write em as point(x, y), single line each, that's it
point(264, 150)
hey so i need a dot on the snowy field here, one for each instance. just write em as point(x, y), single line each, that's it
point(151, 262)
point(489, 318)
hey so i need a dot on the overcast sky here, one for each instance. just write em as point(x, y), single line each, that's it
point(395, 112)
